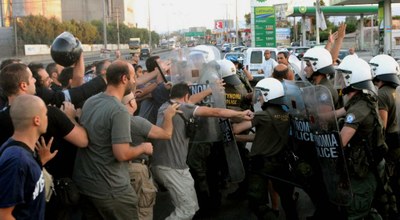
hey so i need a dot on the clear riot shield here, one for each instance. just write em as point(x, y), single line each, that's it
point(233, 159)
point(397, 100)
point(295, 63)
point(323, 125)
point(302, 142)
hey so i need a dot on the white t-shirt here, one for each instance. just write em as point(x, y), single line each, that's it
point(268, 67)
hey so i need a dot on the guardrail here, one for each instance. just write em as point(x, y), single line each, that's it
point(90, 57)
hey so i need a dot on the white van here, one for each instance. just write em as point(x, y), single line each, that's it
point(254, 59)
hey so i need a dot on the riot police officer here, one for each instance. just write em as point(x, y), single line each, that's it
point(267, 153)
point(361, 134)
point(318, 68)
point(385, 72)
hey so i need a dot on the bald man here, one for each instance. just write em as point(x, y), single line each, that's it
point(22, 194)
point(280, 72)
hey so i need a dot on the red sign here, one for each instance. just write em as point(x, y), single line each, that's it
point(219, 25)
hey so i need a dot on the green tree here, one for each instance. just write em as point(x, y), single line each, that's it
point(247, 17)
point(351, 24)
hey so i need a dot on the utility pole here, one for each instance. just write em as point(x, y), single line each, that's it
point(104, 24)
point(15, 35)
point(237, 26)
point(317, 21)
point(118, 27)
point(148, 11)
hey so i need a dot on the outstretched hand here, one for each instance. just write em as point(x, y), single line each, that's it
point(43, 150)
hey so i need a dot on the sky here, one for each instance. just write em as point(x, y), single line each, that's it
point(170, 15)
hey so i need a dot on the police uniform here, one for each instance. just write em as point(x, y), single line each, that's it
point(361, 116)
point(267, 159)
point(386, 102)
point(335, 97)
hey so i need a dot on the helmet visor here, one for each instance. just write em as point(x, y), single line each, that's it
point(232, 80)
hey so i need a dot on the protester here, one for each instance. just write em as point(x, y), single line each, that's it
point(141, 131)
point(22, 194)
point(101, 171)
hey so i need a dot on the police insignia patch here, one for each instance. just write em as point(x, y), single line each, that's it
point(350, 118)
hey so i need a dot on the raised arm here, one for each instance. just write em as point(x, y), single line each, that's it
point(338, 42)
point(78, 72)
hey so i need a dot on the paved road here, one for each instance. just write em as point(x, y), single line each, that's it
point(232, 209)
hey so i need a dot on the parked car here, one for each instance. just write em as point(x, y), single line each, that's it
point(238, 49)
point(343, 53)
point(226, 48)
point(234, 56)
point(144, 53)
point(298, 51)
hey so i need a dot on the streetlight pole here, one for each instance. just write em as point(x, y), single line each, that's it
point(118, 27)
point(148, 11)
point(15, 35)
point(104, 24)
point(237, 31)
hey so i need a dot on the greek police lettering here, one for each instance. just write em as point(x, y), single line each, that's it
point(197, 88)
point(326, 145)
point(302, 131)
point(233, 99)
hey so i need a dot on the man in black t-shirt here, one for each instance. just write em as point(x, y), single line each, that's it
point(16, 79)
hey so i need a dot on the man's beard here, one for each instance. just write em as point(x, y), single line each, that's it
point(128, 89)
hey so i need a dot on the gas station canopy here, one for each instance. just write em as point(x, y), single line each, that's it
point(358, 2)
point(336, 10)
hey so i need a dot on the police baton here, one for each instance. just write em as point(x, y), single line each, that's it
point(161, 72)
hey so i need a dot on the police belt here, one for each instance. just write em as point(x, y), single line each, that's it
point(142, 161)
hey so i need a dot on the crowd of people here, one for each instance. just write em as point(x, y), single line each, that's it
point(99, 141)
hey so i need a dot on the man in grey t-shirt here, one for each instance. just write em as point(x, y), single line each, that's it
point(169, 158)
point(101, 170)
point(141, 131)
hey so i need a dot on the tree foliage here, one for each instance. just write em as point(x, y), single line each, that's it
point(247, 17)
point(40, 30)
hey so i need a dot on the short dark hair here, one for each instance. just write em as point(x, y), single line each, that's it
point(285, 54)
point(100, 66)
point(51, 68)
point(280, 75)
point(65, 75)
point(179, 90)
point(11, 76)
point(9, 61)
point(35, 67)
point(115, 72)
point(151, 63)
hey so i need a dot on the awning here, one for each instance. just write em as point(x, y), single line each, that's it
point(358, 2)
point(336, 10)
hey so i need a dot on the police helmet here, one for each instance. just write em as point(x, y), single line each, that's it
point(66, 49)
point(227, 70)
point(208, 53)
point(356, 74)
point(270, 90)
point(385, 68)
point(320, 59)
